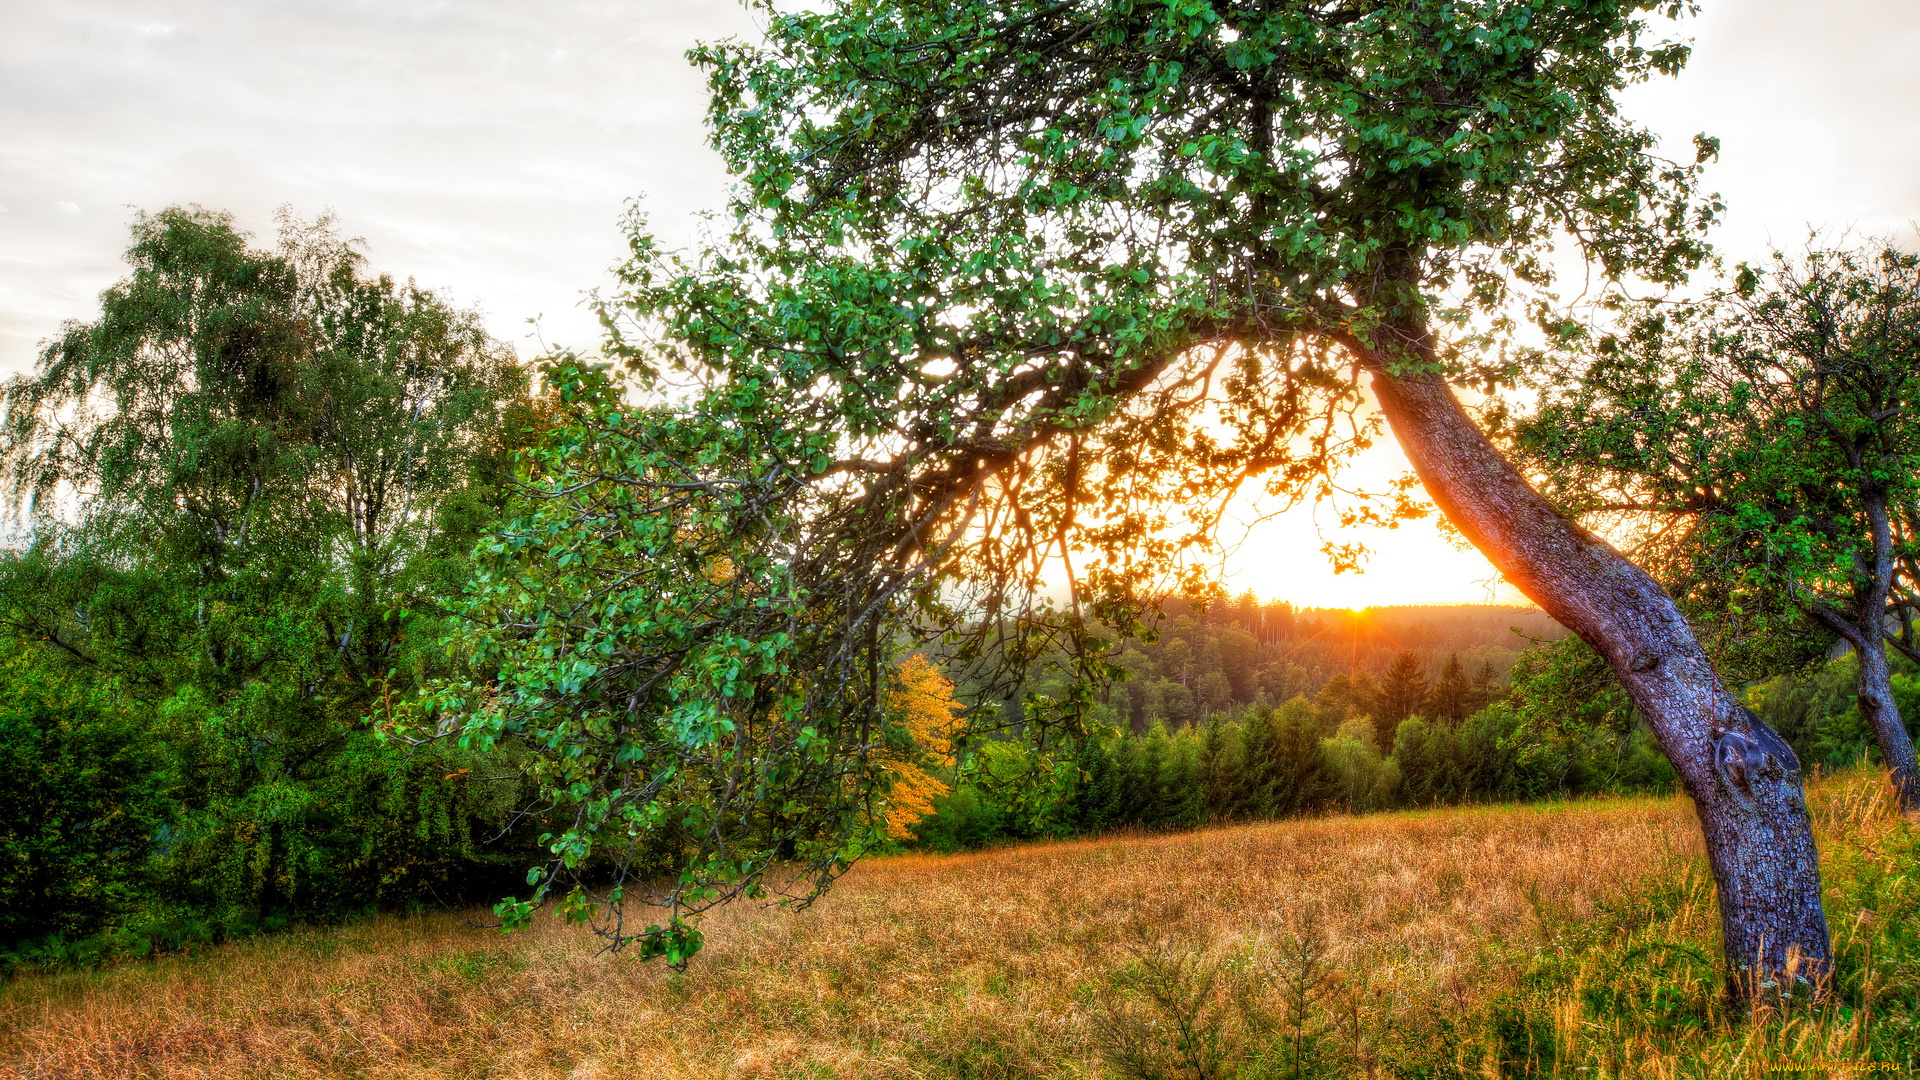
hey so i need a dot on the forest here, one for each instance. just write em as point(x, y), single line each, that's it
point(284, 494)
point(1399, 722)
point(874, 554)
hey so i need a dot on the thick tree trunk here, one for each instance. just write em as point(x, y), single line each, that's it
point(1875, 693)
point(1863, 626)
point(1875, 687)
point(1743, 778)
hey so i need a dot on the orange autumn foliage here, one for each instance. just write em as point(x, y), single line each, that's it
point(921, 700)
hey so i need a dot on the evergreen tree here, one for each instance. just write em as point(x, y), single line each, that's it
point(1213, 693)
point(1424, 754)
point(1235, 649)
point(1452, 696)
point(1299, 780)
point(1180, 789)
point(1345, 696)
point(1282, 681)
point(1140, 764)
point(1255, 799)
point(1223, 768)
point(1403, 691)
point(1279, 621)
point(1098, 795)
point(1246, 611)
point(1485, 689)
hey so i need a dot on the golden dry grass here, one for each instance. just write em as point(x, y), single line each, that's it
point(992, 964)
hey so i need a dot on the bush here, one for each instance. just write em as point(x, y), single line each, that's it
point(1428, 759)
point(82, 806)
point(365, 825)
point(1362, 779)
point(125, 827)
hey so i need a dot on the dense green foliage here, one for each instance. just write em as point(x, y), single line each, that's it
point(1562, 729)
point(1752, 437)
point(1012, 294)
point(249, 477)
point(1817, 709)
point(1761, 444)
point(1312, 755)
point(1201, 660)
point(1005, 287)
point(637, 620)
point(83, 801)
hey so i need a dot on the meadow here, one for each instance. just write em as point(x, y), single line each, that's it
point(1562, 940)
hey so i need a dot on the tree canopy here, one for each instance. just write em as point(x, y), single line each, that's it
point(1009, 290)
point(1762, 442)
point(245, 480)
point(234, 412)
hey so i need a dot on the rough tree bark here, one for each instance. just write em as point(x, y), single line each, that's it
point(1875, 694)
point(1864, 628)
point(1743, 778)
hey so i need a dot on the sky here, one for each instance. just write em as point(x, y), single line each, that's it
point(488, 148)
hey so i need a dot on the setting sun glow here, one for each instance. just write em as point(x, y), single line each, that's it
point(1284, 557)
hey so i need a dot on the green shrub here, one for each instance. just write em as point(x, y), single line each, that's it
point(82, 807)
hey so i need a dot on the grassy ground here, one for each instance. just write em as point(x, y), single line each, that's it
point(1566, 941)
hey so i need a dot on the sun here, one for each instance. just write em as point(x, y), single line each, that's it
point(1283, 557)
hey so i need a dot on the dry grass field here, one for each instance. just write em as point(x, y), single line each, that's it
point(1567, 940)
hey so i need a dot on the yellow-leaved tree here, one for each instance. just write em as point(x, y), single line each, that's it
point(921, 701)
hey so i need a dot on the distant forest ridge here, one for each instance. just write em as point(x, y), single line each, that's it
point(1417, 624)
point(1227, 655)
point(1373, 636)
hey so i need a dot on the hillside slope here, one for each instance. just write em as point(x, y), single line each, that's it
point(1519, 941)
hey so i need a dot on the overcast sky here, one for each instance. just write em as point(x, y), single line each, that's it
point(486, 147)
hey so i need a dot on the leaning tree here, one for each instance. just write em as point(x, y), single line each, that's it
point(1031, 287)
point(1765, 440)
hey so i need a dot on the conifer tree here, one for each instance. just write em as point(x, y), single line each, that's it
point(1276, 621)
point(1223, 767)
point(1145, 756)
point(1246, 611)
point(1299, 781)
point(1403, 691)
point(1181, 787)
point(1485, 689)
point(1487, 747)
point(1256, 798)
point(1098, 801)
point(1452, 696)
point(1425, 756)
point(1345, 696)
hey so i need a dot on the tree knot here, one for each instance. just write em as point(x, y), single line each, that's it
point(1755, 754)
